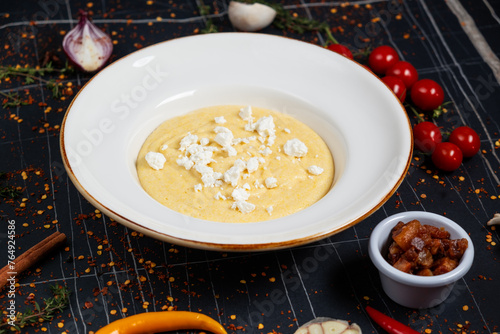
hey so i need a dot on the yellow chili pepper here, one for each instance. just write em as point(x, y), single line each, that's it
point(155, 322)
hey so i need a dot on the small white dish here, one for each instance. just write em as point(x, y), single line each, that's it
point(363, 123)
point(411, 290)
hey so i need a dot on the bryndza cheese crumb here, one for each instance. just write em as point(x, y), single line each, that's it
point(315, 170)
point(155, 160)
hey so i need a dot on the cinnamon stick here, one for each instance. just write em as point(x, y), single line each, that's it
point(31, 256)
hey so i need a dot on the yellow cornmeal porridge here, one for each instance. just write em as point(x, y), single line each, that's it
point(235, 164)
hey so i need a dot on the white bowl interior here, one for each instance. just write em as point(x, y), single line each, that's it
point(360, 119)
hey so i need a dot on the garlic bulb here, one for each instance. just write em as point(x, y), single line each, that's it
point(250, 17)
point(328, 326)
point(87, 46)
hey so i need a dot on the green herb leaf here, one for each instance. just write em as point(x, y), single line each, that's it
point(31, 75)
point(57, 303)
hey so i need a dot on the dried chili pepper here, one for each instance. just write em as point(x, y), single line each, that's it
point(390, 325)
point(156, 322)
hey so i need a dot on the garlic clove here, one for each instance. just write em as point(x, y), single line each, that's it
point(250, 17)
point(495, 220)
point(353, 329)
point(87, 46)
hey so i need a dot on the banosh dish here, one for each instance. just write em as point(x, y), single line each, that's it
point(109, 119)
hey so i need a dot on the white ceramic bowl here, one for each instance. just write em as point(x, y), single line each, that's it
point(363, 123)
point(411, 290)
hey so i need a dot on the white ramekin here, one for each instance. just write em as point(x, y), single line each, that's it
point(411, 290)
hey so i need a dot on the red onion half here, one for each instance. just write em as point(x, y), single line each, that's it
point(87, 46)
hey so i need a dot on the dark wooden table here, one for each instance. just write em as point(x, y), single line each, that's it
point(113, 272)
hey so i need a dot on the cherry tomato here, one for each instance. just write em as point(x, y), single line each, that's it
point(381, 58)
point(426, 136)
point(427, 94)
point(466, 139)
point(405, 71)
point(341, 49)
point(396, 85)
point(447, 156)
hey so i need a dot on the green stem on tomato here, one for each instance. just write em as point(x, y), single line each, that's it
point(415, 112)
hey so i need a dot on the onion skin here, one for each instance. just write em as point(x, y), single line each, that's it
point(87, 46)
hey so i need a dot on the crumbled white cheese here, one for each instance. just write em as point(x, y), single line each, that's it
point(243, 206)
point(188, 141)
point(200, 155)
point(203, 169)
point(231, 151)
point(246, 113)
point(220, 196)
point(245, 140)
point(220, 120)
point(271, 182)
point(315, 170)
point(224, 136)
point(240, 194)
point(155, 160)
point(163, 147)
point(250, 126)
point(252, 164)
point(211, 179)
point(185, 162)
point(240, 164)
point(295, 148)
point(232, 175)
point(266, 151)
point(265, 126)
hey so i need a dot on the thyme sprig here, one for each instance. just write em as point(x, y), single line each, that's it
point(286, 20)
point(12, 100)
point(39, 314)
point(7, 191)
point(31, 75)
point(210, 27)
point(299, 24)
